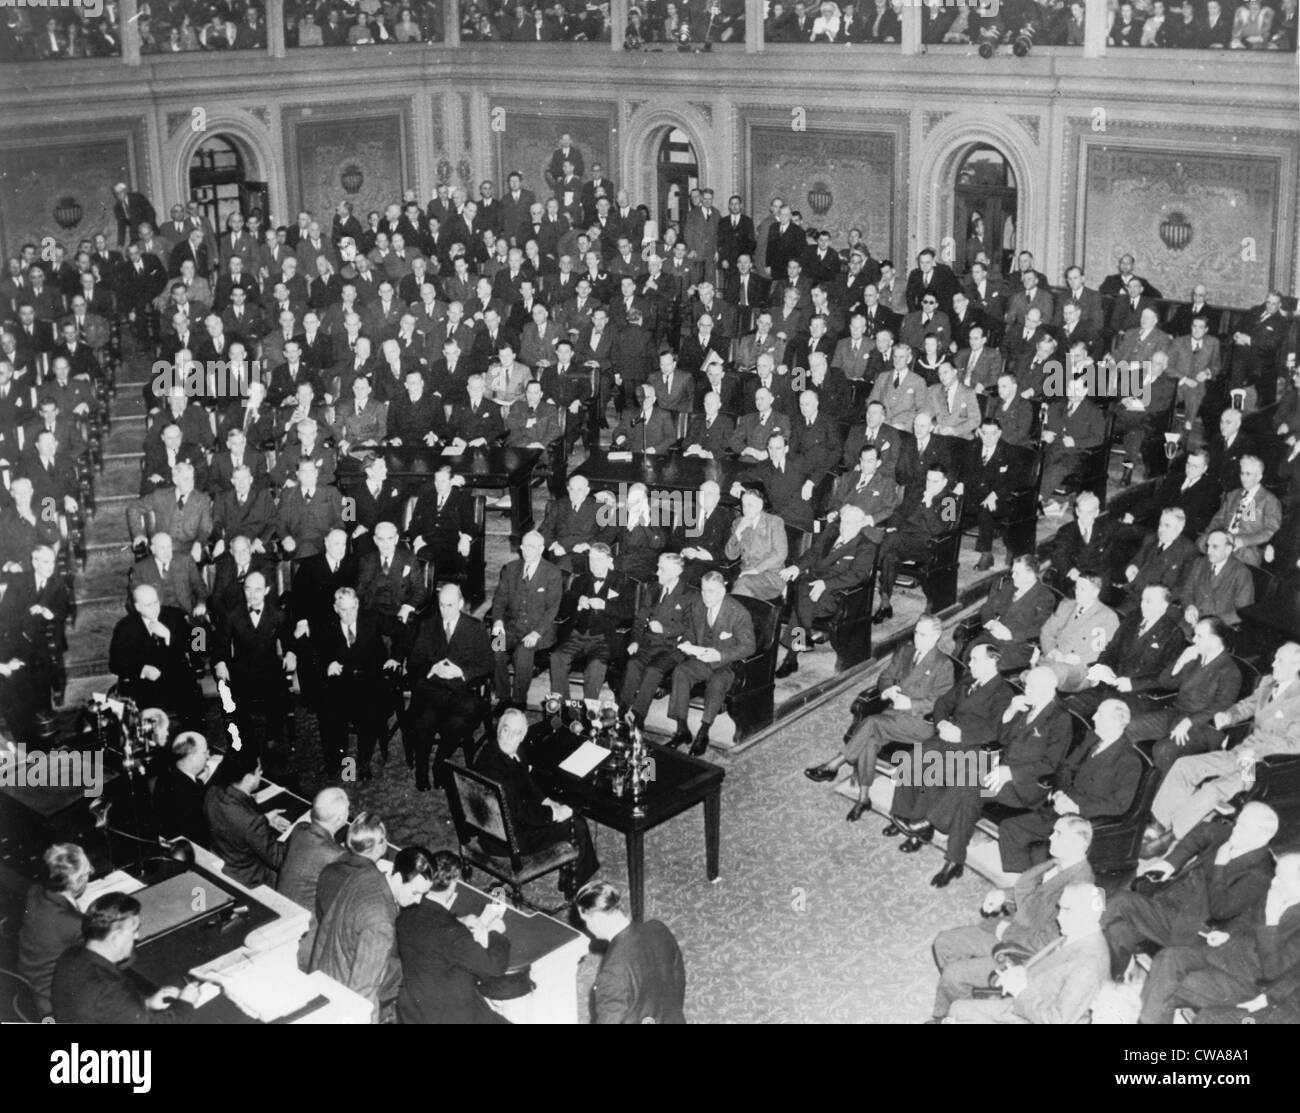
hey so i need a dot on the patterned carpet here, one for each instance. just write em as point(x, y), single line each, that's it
point(812, 920)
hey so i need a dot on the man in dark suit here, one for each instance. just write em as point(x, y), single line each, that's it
point(928, 511)
point(642, 979)
point(254, 655)
point(51, 918)
point(315, 580)
point(719, 633)
point(1147, 642)
point(701, 537)
point(708, 435)
point(598, 602)
point(231, 569)
point(662, 621)
point(178, 792)
point(1164, 558)
point(840, 560)
point(523, 615)
point(446, 958)
point(815, 434)
point(442, 524)
point(1256, 348)
point(148, 652)
point(1217, 584)
point(477, 419)
point(173, 575)
point(994, 470)
point(243, 837)
point(571, 524)
point(1034, 736)
point(787, 481)
point(1098, 780)
point(451, 655)
point(917, 675)
point(1227, 449)
point(1223, 872)
point(131, 210)
point(1193, 492)
point(1247, 978)
point(929, 277)
point(351, 657)
point(1085, 544)
point(390, 585)
point(308, 511)
point(1013, 613)
point(649, 428)
point(735, 238)
point(90, 984)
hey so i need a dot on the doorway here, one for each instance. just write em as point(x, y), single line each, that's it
point(678, 174)
point(985, 200)
point(219, 182)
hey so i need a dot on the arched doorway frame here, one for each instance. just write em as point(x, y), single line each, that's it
point(945, 150)
point(245, 134)
point(645, 133)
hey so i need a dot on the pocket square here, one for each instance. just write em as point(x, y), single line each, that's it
point(1003, 468)
point(612, 595)
point(540, 590)
point(725, 635)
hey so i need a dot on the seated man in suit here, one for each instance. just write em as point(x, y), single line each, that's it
point(571, 525)
point(701, 532)
point(994, 471)
point(870, 490)
point(709, 434)
point(1250, 515)
point(954, 407)
point(890, 442)
point(173, 575)
point(1033, 738)
point(1020, 919)
point(1071, 429)
point(815, 434)
point(90, 985)
point(786, 480)
point(538, 821)
point(523, 616)
point(662, 622)
point(451, 655)
point(52, 919)
point(477, 421)
point(1148, 641)
point(1197, 784)
point(180, 511)
point(1192, 491)
point(442, 524)
point(1099, 780)
point(1014, 612)
point(1227, 449)
point(351, 656)
point(1220, 873)
point(649, 428)
point(642, 979)
point(1082, 545)
point(1217, 584)
point(533, 421)
point(926, 513)
point(916, 676)
point(244, 838)
point(719, 633)
point(749, 441)
point(599, 600)
point(1146, 394)
point(178, 792)
point(230, 571)
point(236, 454)
point(1074, 636)
point(1239, 977)
point(148, 653)
point(840, 560)
point(1058, 984)
point(308, 511)
point(1164, 559)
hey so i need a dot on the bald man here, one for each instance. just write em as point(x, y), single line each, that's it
point(313, 845)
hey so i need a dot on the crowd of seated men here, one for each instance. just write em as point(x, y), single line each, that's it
point(515, 21)
point(339, 23)
point(1205, 25)
point(164, 28)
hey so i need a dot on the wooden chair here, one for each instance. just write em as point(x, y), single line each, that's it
point(480, 810)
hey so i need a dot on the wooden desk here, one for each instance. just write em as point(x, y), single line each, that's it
point(679, 783)
point(490, 468)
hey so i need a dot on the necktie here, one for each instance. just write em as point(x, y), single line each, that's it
point(898, 379)
point(387, 564)
point(180, 502)
point(255, 613)
point(40, 586)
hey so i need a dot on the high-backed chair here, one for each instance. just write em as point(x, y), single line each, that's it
point(481, 813)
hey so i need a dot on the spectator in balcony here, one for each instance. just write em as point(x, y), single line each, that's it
point(1125, 27)
point(1251, 26)
point(1283, 35)
point(1212, 31)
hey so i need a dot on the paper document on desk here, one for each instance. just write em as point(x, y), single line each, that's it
point(584, 759)
point(618, 457)
point(115, 882)
point(452, 450)
point(261, 991)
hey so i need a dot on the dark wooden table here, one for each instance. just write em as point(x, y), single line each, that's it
point(667, 472)
point(491, 468)
point(679, 783)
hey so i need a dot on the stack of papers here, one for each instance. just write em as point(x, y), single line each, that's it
point(584, 759)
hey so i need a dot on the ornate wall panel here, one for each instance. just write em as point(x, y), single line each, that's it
point(839, 176)
point(62, 187)
point(364, 159)
point(1187, 217)
point(531, 129)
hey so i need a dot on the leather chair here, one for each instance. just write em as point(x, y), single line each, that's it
point(936, 573)
point(751, 699)
point(480, 809)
